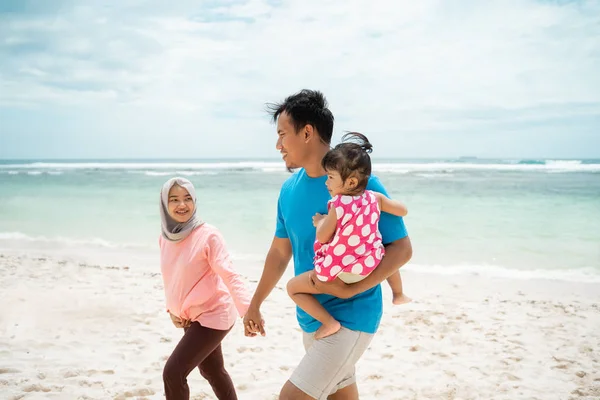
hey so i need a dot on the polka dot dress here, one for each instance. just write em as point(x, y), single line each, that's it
point(356, 246)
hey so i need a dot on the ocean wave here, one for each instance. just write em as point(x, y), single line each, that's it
point(100, 245)
point(563, 162)
point(585, 275)
point(195, 173)
point(526, 162)
point(174, 173)
point(434, 175)
point(31, 173)
point(155, 173)
point(397, 167)
point(241, 165)
point(92, 242)
point(449, 167)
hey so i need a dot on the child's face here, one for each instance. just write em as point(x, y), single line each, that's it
point(181, 204)
point(336, 186)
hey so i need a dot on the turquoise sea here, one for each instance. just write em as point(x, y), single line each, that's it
point(515, 218)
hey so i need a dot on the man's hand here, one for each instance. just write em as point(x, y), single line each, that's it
point(336, 287)
point(180, 323)
point(253, 322)
point(317, 218)
point(397, 254)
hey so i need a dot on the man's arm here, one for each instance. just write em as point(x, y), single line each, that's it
point(397, 254)
point(277, 260)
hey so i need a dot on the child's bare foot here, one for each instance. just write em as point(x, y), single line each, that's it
point(400, 298)
point(327, 329)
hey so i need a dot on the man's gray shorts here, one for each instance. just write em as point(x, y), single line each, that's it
point(329, 362)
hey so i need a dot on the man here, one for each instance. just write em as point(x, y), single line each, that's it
point(304, 129)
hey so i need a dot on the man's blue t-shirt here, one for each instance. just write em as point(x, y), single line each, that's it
point(300, 198)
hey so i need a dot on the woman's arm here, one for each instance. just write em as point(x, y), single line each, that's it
point(220, 262)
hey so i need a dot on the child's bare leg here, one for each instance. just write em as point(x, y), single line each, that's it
point(395, 283)
point(301, 292)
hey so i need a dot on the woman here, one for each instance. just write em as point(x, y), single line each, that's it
point(204, 295)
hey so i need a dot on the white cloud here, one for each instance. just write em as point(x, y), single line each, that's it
point(387, 67)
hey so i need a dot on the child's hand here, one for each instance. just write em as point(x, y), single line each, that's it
point(317, 218)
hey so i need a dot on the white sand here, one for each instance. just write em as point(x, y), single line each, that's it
point(84, 331)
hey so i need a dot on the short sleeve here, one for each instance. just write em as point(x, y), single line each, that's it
point(333, 202)
point(280, 229)
point(341, 207)
point(391, 226)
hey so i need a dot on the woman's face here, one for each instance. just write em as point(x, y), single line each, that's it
point(181, 204)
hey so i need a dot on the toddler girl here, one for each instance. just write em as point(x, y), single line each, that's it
point(348, 244)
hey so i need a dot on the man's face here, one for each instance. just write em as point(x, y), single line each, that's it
point(291, 144)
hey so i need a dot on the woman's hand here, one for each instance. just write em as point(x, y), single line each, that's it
point(180, 323)
point(253, 322)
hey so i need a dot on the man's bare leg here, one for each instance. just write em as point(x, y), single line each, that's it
point(291, 392)
point(347, 393)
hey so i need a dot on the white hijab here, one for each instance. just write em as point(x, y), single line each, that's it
point(171, 229)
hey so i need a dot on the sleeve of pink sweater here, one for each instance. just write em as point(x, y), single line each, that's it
point(221, 263)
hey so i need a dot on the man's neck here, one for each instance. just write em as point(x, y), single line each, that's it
point(312, 166)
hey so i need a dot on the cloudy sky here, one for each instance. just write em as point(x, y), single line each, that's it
point(190, 78)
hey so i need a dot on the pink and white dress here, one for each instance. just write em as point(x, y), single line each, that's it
point(355, 249)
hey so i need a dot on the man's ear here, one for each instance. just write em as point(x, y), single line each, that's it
point(309, 133)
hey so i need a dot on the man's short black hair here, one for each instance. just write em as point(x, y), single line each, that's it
point(307, 107)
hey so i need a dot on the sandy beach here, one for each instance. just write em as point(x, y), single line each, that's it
point(72, 329)
point(482, 118)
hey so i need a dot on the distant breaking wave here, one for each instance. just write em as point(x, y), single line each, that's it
point(241, 165)
point(202, 168)
point(585, 275)
point(547, 166)
point(92, 242)
point(61, 242)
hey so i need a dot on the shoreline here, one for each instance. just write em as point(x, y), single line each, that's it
point(145, 256)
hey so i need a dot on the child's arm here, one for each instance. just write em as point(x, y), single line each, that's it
point(390, 206)
point(326, 225)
